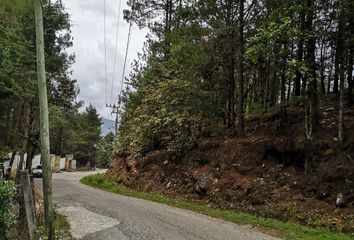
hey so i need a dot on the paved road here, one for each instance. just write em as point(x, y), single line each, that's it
point(98, 215)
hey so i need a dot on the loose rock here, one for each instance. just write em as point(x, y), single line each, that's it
point(203, 184)
point(340, 202)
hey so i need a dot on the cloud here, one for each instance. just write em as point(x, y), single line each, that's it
point(89, 68)
point(96, 7)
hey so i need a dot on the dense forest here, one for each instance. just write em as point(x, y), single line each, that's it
point(244, 105)
point(211, 62)
point(72, 131)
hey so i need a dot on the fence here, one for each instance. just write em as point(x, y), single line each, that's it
point(28, 202)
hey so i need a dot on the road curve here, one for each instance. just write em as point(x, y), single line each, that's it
point(98, 215)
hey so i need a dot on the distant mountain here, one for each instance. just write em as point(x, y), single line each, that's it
point(108, 126)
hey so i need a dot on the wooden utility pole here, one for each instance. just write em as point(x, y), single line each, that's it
point(44, 123)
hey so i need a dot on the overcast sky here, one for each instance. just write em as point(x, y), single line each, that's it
point(87, 30)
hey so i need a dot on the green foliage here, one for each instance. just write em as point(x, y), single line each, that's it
point(296, 65)
point(18, 79)
point(171, 101)
point(72, 132)
point(15, 4)
point(87, 137)
point(16, 58)
point(7, 217)
point(169, 114)
point(105, 150)
point(270, 40)
point(199, 43)
point(61, 226)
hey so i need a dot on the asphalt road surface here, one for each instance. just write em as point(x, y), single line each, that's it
point(98, 215)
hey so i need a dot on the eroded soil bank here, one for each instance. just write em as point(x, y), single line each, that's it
point(273, 172)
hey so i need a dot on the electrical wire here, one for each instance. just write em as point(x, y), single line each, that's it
point(115, 49)
point(105, 49)
point(125, 63)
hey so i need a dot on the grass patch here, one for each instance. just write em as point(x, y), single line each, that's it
point(287, 230)
point(62, 228)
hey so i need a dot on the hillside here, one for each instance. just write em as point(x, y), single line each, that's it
point(273, 172)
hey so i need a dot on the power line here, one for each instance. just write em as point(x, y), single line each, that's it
point(115, 50)
point(125, 63)
point(114, 107)
point(105, 48)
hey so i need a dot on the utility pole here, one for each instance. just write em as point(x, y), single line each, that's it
point(44, 123)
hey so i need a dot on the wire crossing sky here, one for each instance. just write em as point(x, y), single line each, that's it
point(125, 63)
point(105, 49)
point(115, 50)
point(89, 48)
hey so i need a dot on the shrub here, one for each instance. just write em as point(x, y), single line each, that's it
point(7, 218)
point(170, 114)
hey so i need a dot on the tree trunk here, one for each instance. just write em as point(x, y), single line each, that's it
point(330, 73)
point(230, 60)
point(351, 58)
point(231, 107)
point(267, 87)
point(30, 154)
point(274, 86)
point(24, 137)
point(32, 139)
point(11, 163)
point(341, 107)
point(300, 53)
point(15, 123)
point(341, 66)
point(170, 16)
point(350, 76)
point(323, 87)
point(282, 116)
point(312, 92)
point(336, 69)
point(60, 142)
point(168, 26)
point(8, 111)
point(339, 50)
point(242, 52)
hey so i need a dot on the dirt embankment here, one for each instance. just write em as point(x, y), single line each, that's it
point(273, 172)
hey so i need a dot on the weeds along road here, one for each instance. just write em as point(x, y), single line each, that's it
point(98, 215)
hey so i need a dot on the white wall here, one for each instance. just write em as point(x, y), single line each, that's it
point(35, 162)
point(62, 163)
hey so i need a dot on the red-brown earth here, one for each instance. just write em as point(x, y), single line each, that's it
point(274, 171)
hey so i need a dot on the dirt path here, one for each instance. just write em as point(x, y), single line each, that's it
point(99, 215)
